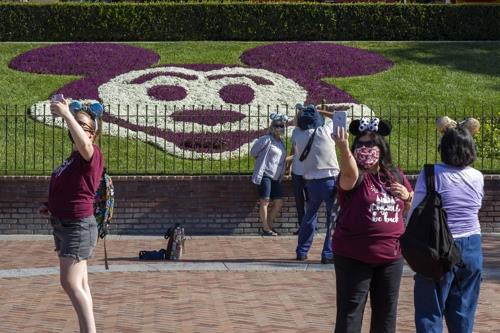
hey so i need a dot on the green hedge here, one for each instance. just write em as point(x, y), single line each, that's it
point(244, 21)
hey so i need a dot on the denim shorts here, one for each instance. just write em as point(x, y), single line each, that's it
point(75, 238)
point(269, 189)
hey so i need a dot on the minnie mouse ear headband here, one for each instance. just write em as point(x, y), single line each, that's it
point(445, 123)
point(278, 117)
point(92, 107)
point(373, 125)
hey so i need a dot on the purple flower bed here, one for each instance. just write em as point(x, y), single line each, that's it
point(97, 62)
point(147, 77)
point(256, 79)
point(308, 63)
point(167, 93)
point(304, 62)
point(199, 142)
point(207, 116)
point(237, 94)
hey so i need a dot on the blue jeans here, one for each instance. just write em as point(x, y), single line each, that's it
point(455, 297)
point(319, 190)
point(299, 188)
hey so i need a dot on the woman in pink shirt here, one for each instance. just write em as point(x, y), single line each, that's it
point(71, 204)
point(373, 196)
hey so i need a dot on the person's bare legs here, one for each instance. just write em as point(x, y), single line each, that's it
point(73, 278)
point(264, 203)
point(277, 204)
point(86, 287)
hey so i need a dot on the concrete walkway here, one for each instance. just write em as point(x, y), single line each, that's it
point(223, 284)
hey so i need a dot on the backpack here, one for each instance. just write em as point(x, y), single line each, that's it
point(103, 208)
point(175, 237)
point(427, 243)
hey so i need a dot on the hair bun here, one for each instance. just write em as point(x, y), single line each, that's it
point(472, 124)
point(444, 123)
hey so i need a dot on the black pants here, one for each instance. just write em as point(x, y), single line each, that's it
point(300, 193)
point(354, 280)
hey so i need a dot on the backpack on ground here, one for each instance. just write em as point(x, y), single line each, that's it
point(103, 209)
point(175, 237)
point(153, 255)
point(427, 243)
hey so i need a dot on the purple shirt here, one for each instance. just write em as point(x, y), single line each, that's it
point(371, 221)
point(461, 190)
point(73, 186)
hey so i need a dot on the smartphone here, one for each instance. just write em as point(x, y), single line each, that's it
point(57, 98)
point(339, 120)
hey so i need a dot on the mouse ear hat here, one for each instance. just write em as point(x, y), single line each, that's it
point(361, 126)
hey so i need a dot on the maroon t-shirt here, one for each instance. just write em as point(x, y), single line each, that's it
point(371, 222)
point(73, 186)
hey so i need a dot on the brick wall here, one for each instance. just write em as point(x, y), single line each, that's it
point(147, 205)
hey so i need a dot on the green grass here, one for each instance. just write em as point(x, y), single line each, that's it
point(428, 80)
point(444, 74)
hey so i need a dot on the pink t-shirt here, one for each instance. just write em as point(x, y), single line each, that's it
point(73, 186)
point(370, 223)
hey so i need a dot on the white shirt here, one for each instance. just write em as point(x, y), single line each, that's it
point(322, 159)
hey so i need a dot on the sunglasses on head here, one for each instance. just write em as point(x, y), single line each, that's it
point(94, 108)
point(367, 144)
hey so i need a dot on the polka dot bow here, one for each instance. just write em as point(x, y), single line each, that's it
point(367, 125)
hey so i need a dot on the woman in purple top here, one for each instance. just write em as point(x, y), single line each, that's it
point(373, 196)
point(455, 297)
point(71, 204)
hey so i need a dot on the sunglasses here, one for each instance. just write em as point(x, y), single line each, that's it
point(367, 144)
point(279, 126)
point(86, 127)
point(94, 108)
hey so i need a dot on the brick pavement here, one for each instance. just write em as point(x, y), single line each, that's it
point(199, 301)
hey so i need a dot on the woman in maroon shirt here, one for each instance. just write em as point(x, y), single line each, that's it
point(70, 207)
point(373, 196)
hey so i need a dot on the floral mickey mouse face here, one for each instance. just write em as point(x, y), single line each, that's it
point(199, 110)
point(190, 100)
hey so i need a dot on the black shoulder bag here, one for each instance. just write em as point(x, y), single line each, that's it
point(307, 149)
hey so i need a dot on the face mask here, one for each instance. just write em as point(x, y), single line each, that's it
point(367, 157)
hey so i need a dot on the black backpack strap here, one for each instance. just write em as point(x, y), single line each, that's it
point(429, 177)
point(168, 233)
point(307, 149)
point(105, 255)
